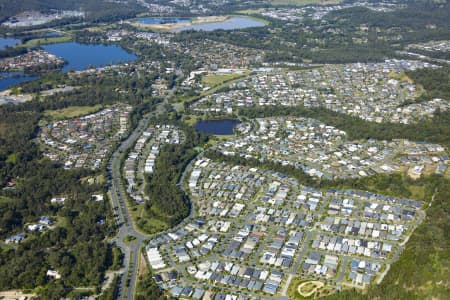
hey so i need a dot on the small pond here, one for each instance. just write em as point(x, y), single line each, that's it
point(217, 127)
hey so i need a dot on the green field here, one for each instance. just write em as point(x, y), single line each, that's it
point(46, 41)
point(145, 223)
point(219, 83)
point(129, 239)
point(151, 225)
point(190, 119)
point(71, 112)
point(213, 80)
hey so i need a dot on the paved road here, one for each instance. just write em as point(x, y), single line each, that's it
point(119, 197)
point(131, 249)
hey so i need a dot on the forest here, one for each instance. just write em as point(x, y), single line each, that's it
point(76, 247)
point(331, 40)
point(416, 15)
point(436, 82)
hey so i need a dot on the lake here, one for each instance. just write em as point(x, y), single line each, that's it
point(217, 127)
point(229, 24)
point(78, 57)
point(163, 20)
point(8, 42)
point(8, 80)
point(81, 56)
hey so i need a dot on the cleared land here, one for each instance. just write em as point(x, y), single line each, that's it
point(302, 288)
point(213, 80)
point(214, 89)
point(308, 288)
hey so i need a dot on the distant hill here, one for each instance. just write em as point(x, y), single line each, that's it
point(95, 9)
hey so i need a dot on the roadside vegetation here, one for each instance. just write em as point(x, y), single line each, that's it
point(168, 205)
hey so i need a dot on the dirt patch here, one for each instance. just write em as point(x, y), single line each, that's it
point(308, 288)
point(15, 294)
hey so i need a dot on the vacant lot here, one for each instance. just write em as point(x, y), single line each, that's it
point(71, 112)
point(213, 80)
point(304, 288)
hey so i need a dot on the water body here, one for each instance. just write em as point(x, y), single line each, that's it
point(8, 42)
point(78, 56)
point(10, 79)
point(217, 127)
point(163, 20)
point(81, 56)
point(229, 24)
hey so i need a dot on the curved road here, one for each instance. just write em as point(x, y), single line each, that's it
point(118, 198)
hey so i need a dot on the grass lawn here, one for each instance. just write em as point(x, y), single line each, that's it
point(447, 173)
point(400, 77)
point(303, 2)
point(62, 222)
point(71, 112)
point(221, 138)
point(308, 286)
point(151, 225)
point(5, 247)
point(307, 289)
point(190, 119)
point(4, 199)
point(136, 211)
point(293, 288)
point(214, 89)
point(143, 267)
point(417, 192)
point(129, 239)
point(144, 222)
point(12, 158)
point(100, 179)
point(45, 41)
